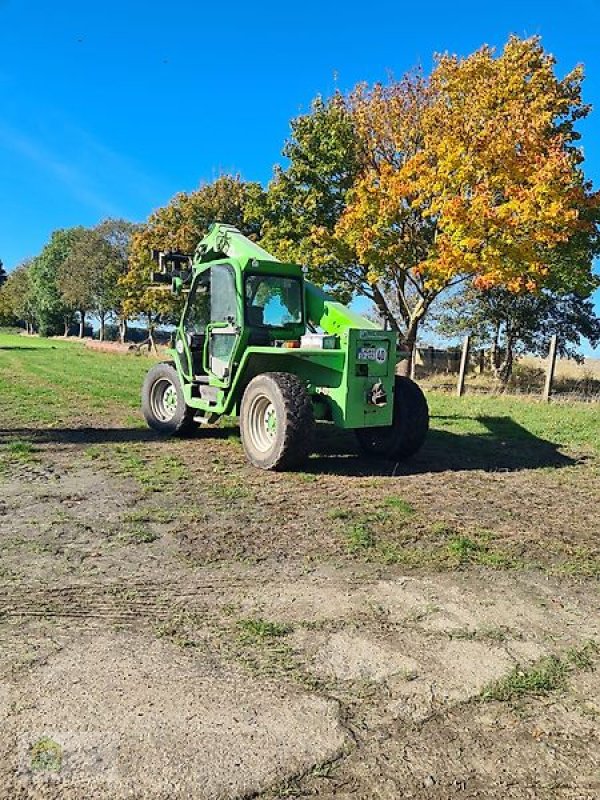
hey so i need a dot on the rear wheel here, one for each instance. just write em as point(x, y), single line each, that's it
point(276, 421)
point(408, 430)
point(163, 403)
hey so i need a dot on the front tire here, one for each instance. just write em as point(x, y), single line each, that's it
point(163, 403)
point(276, 421)
point(405, 436)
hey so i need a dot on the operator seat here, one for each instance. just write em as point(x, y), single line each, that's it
point(259, 335)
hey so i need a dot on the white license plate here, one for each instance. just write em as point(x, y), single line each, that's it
point(377, 354)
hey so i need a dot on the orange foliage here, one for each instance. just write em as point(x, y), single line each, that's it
point(472, 172)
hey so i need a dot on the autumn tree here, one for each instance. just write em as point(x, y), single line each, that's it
point(472, 174)
point(179, 226)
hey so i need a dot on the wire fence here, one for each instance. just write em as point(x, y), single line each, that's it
point(468, 371)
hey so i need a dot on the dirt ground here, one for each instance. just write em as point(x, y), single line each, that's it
point(176, 624)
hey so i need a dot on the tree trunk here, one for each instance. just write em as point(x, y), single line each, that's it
point(151, 343)
point(81, 324)
point(383, 309)
point(102, 318)
point(122, 330)
point(66, 323)
point(503, 358)
point(410, 339)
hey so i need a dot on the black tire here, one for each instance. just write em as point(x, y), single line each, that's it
point(276, 421)
point(405, 436)
point(163, 404)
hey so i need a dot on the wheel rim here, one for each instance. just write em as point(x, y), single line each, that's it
point(262, 423)
point(163, 400)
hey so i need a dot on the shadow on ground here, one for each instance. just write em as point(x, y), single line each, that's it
point(505, 447)
point(25, 347)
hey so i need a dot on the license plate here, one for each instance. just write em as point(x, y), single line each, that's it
point(377, 354)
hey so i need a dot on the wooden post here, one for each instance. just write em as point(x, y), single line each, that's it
point(464, 360)
point(550, 370)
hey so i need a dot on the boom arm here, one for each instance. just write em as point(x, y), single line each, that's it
point(227, 241)
point(331, 316)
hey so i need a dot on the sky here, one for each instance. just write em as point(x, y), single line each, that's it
point(108, 109)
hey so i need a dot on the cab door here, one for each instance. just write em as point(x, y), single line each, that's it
point(223, 329)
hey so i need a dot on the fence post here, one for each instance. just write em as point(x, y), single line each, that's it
point(550, 370)
point(464, 360)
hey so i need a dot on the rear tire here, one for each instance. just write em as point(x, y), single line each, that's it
point(276, 421)
point(405, 436)
point(163, 403)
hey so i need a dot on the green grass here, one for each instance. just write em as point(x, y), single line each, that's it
point(20, 448)
point(137, 534)
point(154, 473)
point(464, 548)
point(399, 505)
point(371, 536)
point(359, 537)
point(550, 674)
point(51, 381)
point(515, 421)
point(257, 629)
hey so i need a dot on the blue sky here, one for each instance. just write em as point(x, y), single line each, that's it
point(110, 108)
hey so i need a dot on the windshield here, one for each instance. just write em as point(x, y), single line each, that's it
point(273, 301)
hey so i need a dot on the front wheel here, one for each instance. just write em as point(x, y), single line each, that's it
point(408, 430)
point(276, 421)
point(163, 403)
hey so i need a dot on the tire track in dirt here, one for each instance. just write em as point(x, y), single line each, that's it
point(119, 602)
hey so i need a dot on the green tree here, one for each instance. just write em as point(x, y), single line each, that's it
point(3, 274)
point(16, 304)
point(78, 270)
point(89, 275)
point(311, 193)
point(51, 311)
point(109, 295)
point(512, 324)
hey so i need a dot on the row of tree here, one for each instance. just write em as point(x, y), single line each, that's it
point(469, 179)
point(76, 275)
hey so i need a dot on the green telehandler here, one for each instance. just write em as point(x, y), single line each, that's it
point(258, 341)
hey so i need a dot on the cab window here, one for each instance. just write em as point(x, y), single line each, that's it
point(273, 301)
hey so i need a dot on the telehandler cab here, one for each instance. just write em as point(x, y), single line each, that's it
point(258, 341)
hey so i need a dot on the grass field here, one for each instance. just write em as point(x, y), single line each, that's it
point(54, 382)
point(438, 615)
